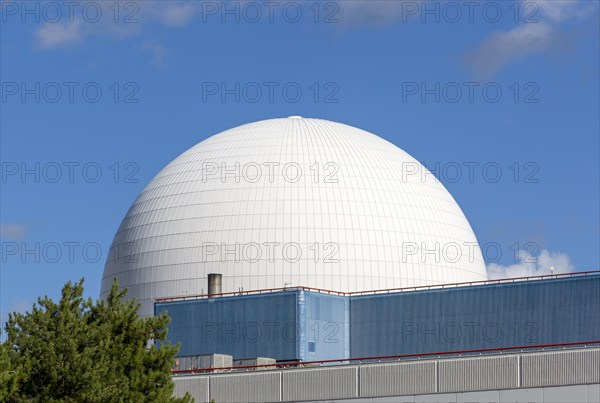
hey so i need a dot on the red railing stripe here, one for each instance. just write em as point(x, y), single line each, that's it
point(386, 357)
point(386, 290)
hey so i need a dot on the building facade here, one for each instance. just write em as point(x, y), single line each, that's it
point(303, 325)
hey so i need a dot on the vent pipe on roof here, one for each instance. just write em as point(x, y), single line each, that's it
point(214, 284)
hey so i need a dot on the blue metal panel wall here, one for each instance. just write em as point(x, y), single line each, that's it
point(324, 326)
point(308, 326)
point(476, 317)
point(242, 326)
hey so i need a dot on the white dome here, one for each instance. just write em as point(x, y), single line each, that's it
point(291, 202)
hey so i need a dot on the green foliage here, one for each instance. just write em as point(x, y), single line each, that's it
point(78, 351)
point(10, 374)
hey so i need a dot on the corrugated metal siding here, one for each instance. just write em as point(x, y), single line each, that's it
point(478, 373)
point(241, 326)
point(255, 361)
point(324, 325)
point(197, 386)
point(214, 361)
point(299, 325)
point(183, 363)
point(402, 378)
point(311, 384)
point(561, 368)
point(286, 326)
point(476, 317)
point(263, 387)
point(397, 379)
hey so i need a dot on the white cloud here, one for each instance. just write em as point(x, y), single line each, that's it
point(131, 18)
point(557, 10)
point(63, 35)
point(505, 47)
point(375, 12)
point(178, 15)
point(529, 265)
point(382, 12)
point(58, 35)
point(12, 231)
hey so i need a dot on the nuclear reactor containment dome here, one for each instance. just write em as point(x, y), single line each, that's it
point(289, 202)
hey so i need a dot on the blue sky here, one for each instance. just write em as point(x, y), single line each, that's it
point(93, 106)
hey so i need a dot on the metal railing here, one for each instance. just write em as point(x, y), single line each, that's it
point(392, 358)
point(381, 291)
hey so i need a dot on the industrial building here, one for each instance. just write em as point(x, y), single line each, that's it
point(291, 201)
point(306, 260)
point(300, 324)
point(453, 338)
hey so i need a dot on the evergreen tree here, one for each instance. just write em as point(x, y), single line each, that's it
point(78, 351)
